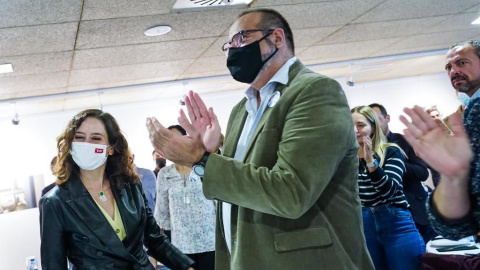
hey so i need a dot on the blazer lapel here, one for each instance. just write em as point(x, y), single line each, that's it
point(294, 69)
point(88, 212)
point(231, 141)
point(128, 210)
point(256, 132)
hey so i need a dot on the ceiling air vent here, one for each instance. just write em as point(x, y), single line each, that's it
point(198, 5)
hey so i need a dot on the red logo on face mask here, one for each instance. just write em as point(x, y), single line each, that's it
point(98, 150)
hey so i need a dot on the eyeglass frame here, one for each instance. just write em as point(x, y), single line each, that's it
point(229, 43)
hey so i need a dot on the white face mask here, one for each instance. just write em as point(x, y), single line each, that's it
point(89, 156)
point(463, 98)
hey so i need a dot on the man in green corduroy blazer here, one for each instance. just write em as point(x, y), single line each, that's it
point(286, 181)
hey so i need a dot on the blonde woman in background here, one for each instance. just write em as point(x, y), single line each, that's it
point(393, 240)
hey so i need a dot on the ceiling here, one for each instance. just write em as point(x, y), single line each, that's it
point(63, 51)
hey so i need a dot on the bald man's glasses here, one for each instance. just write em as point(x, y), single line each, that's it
point(239, 38)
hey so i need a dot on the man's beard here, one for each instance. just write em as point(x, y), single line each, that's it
point(468, 85)
point(265, 56)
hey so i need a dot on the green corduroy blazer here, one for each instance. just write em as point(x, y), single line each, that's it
point(295, 194)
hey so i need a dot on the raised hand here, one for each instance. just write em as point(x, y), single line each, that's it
point(448, 154)
point(183, 150)
point(367, 149)
point(202, 121)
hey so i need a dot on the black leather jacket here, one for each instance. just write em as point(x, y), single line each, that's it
point(72, 225)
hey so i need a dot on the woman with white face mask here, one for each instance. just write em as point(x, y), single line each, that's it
point(97, 215)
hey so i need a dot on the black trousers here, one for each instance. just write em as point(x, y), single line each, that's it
point(168, 234)
point(203, 261)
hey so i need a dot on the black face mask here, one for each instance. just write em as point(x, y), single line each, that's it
point(161, 162)
point(246, 62)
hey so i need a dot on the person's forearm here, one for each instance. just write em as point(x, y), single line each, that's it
point(451, 199)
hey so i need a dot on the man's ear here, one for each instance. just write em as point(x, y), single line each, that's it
point(387, 118)
point(278, 37)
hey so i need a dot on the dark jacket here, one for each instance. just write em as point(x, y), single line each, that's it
point(71, 224)
point(416, 172)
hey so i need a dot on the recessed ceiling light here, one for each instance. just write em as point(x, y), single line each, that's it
point(6, 68)
point(157, 30)
point(477, 21)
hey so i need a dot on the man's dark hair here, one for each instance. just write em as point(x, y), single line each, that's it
point(179, 128)
point(273, 19)
point(380, 107)
point(474, 43)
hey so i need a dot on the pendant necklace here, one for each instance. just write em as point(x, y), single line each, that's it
point(186, 199)
point(101, 194)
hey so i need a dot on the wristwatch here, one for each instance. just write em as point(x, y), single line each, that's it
point(373, 164)
point(199, 166)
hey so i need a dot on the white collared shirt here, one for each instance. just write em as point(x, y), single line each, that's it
point(254, 115)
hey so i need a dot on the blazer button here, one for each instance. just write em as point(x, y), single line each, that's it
point(99, 253)
point(136, 266)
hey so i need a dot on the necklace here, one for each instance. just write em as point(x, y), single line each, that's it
point(186, 198)
point(101, 194)
point(184, 178)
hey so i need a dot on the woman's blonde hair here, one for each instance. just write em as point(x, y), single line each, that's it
point(379, 141)
point(119, 168)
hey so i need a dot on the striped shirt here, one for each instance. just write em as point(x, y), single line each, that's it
point(384, 185)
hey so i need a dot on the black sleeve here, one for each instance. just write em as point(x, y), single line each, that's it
point(52, 245)
point(158, 244)
point(416, 168)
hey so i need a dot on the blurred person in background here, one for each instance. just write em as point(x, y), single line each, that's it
point(149, 184)
point(434, 113)
point(416, 173)
point(183, 211)
point(393, 240)
point(160, 162)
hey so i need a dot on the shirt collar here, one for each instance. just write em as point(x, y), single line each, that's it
point(476, 94)
point(282, 74)
point(281, 77)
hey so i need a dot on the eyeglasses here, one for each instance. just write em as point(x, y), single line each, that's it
point(239, 38)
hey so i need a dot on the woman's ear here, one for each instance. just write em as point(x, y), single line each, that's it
point(110, 150)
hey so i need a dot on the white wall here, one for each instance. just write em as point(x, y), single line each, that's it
point(395, 95)
point(28, 148)
point(20, 238)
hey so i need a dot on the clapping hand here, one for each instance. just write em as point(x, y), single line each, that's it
point(448, 154)
point(203, 121)
point(183, 150)
point(203, 133)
